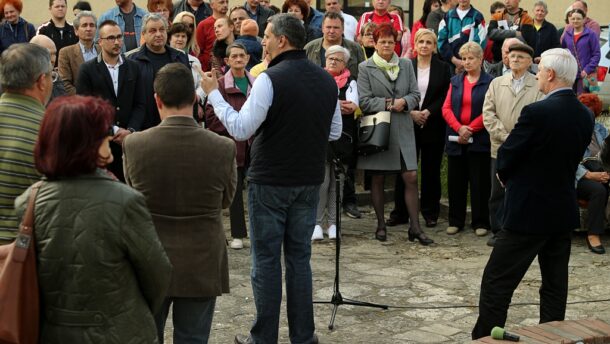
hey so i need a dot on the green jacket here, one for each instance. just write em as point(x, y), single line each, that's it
point(101, 268)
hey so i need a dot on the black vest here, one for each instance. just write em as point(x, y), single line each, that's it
point(289, 148)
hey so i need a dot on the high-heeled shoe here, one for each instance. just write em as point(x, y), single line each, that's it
point(381, 234)
point(420, 236)
point(599, 249)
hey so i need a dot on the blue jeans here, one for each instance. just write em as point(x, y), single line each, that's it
point(282, 215)
point(191, 316)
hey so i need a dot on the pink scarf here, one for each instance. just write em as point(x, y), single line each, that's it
point(342, 78)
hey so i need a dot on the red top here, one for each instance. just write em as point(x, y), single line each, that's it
point(577, 36)
point(205, 40)
point(416, 26)
point(466, 115)
point(378, 19)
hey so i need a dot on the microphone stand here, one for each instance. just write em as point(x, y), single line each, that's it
point(337, 299)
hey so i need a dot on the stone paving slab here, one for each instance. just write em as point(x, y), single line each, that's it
point(412, 279)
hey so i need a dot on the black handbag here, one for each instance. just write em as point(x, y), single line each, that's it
point(374, 133)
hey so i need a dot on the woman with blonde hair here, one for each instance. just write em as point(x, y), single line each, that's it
point(433, 77)
point(188, 19)
point(468, 146)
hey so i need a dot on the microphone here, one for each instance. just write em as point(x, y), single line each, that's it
point(500, 334)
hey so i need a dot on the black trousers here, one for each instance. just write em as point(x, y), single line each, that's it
point(116, 166)
point(431, 155)
point(469, 168)
point(596, 194)
point(349, 188)
point(496, 200)
point(236, 210)
point(510, 259)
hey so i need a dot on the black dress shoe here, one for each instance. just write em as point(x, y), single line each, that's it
point(599, 249)
point(420, 236)
point(431, 223)
point(381, 234)
point(243, 339)
point(395, 221)
point(246, 339)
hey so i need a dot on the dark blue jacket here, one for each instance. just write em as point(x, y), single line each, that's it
point(22, 32)
point(147, 79)
point(538, 163)
point(481, 138)
point(254, 49)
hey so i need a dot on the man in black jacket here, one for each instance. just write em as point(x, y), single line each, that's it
point(57, 28)
point(537, 163)
point(116, 79)
point(151, 57)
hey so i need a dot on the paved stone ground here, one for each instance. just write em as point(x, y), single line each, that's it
point(412, 279)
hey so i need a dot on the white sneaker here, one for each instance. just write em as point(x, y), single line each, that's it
point(317, 233)
point(332, 232)
point(237, 244)
point(451, 230)
point(480, 232)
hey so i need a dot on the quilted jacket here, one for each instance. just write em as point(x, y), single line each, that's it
point(101, 268)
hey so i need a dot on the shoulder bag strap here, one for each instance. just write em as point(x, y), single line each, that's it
point(26, 227)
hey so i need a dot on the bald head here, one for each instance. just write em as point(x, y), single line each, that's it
point(46, 42)
point(580, 5)
point(507, 43)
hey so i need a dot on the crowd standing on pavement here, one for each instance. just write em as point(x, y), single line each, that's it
point(284, 88)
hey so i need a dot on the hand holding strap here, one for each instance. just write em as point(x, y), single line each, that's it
point(26, 227)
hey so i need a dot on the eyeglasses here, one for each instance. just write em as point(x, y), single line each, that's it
point(335, 60)
point(54, 76)
point(113, 38)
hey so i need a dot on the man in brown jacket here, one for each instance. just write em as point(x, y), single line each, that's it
point(187, 175)
point(73, 56)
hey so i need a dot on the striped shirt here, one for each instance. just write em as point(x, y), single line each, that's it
point(20, 118)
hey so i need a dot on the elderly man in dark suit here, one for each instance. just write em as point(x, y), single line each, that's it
point(537, 163)
point(187, 174)
point(116, 79)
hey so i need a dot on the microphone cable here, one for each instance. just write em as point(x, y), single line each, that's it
point(516, 304)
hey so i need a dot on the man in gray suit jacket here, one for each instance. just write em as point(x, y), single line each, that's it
point(187, 174)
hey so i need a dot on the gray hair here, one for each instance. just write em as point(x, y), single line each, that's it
point(153, 17)
point(562, 62)
point(235, 45)
point(542, 4)
point(82, 14)
point(22, 64)
point(333, 49)
point(289, 26)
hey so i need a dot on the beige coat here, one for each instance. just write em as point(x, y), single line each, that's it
point(502, 107)
point(187, 175)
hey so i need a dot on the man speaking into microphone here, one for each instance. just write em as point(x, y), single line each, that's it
point(294, 110)
point(537, 165)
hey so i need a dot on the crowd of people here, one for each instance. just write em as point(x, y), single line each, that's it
point(139, 94)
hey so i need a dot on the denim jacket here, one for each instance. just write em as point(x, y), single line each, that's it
point(115, 14)
point(600, 133)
